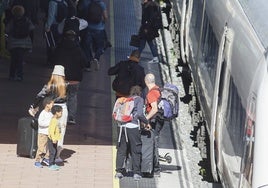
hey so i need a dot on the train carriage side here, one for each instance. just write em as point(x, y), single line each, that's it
point(229, 69)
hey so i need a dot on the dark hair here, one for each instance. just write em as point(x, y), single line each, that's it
point(55, 109)
point(135, 91)
point(135, 53)
point(47, 100)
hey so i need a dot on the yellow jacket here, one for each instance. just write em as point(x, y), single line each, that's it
point(53, 130)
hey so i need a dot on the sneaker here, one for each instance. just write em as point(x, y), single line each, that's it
point(154, 60)
point(38, 165)
point(87, 69)
point(45, 161)
point(137, 177)
point(96, 64)
point(59, 160)
point(54, 167)
point(118, 175)
point(18, 79)
point(71, 121)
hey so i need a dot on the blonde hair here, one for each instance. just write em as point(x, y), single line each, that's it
point(58, 84)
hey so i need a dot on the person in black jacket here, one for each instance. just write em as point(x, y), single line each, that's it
point(128, 73)
point(151, 21)
point(70, 55)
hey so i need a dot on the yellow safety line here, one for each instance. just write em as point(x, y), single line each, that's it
point(112, 62)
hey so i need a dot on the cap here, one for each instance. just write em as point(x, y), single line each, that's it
point(58, 70)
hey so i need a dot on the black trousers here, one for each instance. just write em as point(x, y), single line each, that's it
point(132, 145)
point(157, 126)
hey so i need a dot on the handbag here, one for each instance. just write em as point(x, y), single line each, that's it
point(135, 41)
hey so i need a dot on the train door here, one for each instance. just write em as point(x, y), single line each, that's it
point(220, 94)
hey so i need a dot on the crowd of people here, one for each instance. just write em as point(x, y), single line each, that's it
point(76, 40)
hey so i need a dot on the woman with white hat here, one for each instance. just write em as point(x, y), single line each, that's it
point(55, 88)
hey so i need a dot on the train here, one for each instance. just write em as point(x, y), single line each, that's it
point(224, 45)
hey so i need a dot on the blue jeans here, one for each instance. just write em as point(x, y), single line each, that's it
point(151, 44)
point(93, 44)
point(52, 151)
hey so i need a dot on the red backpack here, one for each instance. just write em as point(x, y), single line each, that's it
point(123, 109)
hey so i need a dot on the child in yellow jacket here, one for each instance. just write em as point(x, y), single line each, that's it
point(53, 136)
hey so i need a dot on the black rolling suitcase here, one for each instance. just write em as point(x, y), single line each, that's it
point(147, 151)
point(27, 137)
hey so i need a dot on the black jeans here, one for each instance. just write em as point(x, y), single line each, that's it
point(16, 63)
point(157, 126)
point(133, 145)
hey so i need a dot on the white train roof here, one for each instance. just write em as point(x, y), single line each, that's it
point(257, 12)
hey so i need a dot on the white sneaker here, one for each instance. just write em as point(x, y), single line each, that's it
point(96, 64)
point(154, 60)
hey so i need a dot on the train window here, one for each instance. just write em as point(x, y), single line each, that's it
point(209, 50)
point(196, 21)
point(234, 120)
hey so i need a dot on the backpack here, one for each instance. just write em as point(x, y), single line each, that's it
point(95, 12)
point(157, 18)
point(21, 28)
point(168, 103)
point(125, 78)
point(62, 10)
point(123, 109)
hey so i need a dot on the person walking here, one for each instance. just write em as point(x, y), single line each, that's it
point(151, 110)
point(150, 23)
point(19, 41)
point(129, 139)
point(128, 73)
point(70, 55)
point(93, 39)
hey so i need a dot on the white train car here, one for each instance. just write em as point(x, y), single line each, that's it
point(225, 42)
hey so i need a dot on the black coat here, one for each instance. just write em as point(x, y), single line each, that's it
point(151, 21)
point(128, 73)
point(70, 55)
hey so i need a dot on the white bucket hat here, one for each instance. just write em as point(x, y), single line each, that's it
point(58, 70)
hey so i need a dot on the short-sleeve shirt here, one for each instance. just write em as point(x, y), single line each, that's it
point(152, 96)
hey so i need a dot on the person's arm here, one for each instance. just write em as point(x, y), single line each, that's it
point(52, 9)
point(113, 70)
point(52, 130)
point(153, 111)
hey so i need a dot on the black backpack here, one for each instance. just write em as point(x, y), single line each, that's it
point(95, 12)
point(157, 18)
point(124, 79)
point(21, 28)
point(62, 10)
